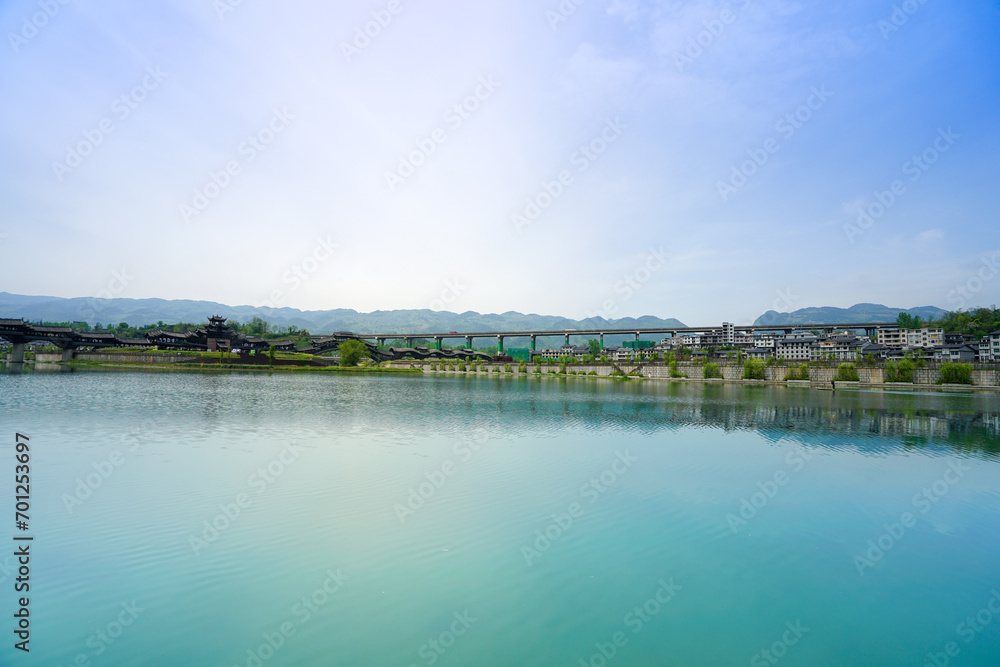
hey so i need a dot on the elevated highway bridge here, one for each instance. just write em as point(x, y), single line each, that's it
point(869, 328)
point(18, 333)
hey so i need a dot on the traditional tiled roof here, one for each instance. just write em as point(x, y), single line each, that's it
point(101, 335)
point(41, 329)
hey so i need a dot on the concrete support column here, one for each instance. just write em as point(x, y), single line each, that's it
point(533, 343)
point(637, 335)
point(68, 353)
point(499, 344)
point(468, 342)
point(17, 353)
point(567, 339)
point(437, 342)
point(408, 342)
point(602, 340)
point(380, 341)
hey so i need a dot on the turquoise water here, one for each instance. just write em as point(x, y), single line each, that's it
point(502, 521)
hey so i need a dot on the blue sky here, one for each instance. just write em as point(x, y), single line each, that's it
point(703, 160)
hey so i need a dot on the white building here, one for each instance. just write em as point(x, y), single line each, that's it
point(989, 347)
point(795, 347)
point(900, 338)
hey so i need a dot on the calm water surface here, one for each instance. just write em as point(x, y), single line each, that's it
point(251, 519)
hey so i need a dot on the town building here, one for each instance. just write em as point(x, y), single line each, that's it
point(989, 347)
point(903, 338)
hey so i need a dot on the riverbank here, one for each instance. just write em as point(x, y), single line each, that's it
point(985, 379)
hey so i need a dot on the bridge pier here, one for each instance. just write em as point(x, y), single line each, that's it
point(499, 344)
point(408, 342)
point(468, 342)
point(637, 335)
point(602, 339)
point(567, 339)
point(437, 342)
point(68, 353)
point(17, 353)
point(532, 344)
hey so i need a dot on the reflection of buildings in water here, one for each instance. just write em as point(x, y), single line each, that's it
point(981, 430)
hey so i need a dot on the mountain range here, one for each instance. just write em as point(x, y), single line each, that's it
point(860, 312)
point(139, 312)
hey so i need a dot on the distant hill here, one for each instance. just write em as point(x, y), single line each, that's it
point(861, 312)
point(139, 312)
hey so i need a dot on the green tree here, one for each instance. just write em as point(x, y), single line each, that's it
point(594, 347)
point(955, 373)
point(847, 373)
point(753, 369)
point(257, 326)
point(351, 352)
point(907, 321)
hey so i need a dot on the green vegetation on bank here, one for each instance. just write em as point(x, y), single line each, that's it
point(956, 373)
point(76, 363)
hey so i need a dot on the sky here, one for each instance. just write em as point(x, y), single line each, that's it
point(707, 161)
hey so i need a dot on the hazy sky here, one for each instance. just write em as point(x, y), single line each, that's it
point(700, 160)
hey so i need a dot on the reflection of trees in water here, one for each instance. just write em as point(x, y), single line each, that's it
point(916, 420)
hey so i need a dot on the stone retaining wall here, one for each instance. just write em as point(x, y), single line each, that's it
point(819, 376)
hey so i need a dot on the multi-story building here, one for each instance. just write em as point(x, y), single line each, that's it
point(989, 347)
point(572, 351)
point(963, 353)
point(900, 338)
point(795, 347)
